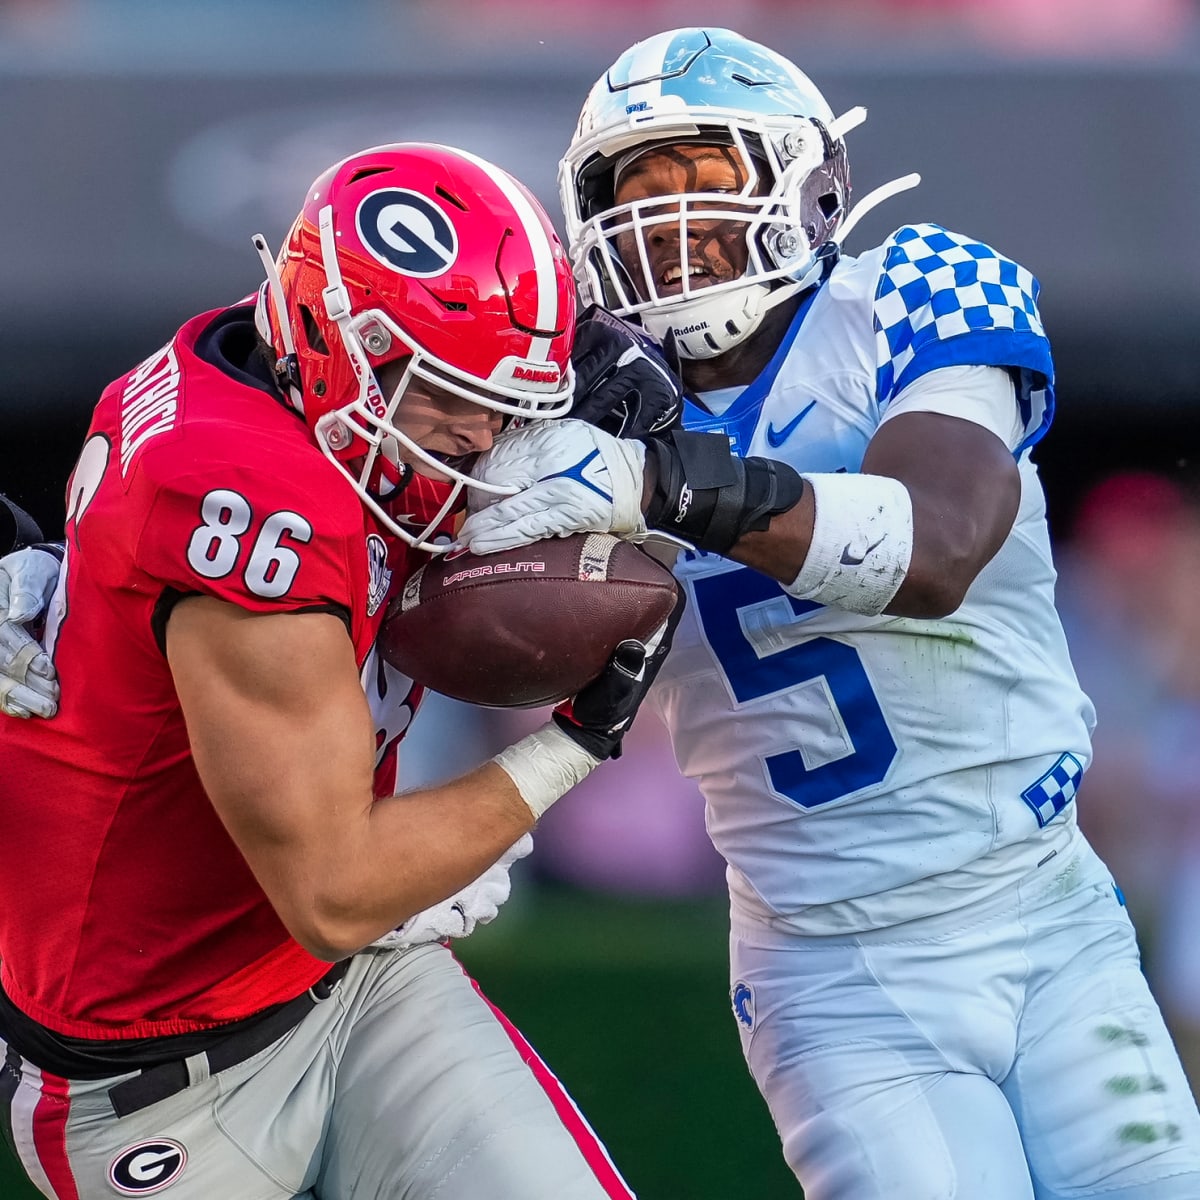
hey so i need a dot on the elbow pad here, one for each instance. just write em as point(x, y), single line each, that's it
point(706, 495)
point(17, 527)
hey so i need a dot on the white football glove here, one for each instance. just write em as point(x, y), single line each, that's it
point(28, 682)
point(477, 904)
point(575, 479)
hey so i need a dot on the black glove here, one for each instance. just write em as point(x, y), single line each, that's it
point(625, 382)
point(599, 715)
point(17, 527)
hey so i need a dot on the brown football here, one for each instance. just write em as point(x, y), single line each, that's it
point(527, 626)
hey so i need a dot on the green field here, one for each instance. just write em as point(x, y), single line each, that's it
point(627, 1002)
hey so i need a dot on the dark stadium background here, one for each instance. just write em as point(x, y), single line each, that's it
point(142, 144)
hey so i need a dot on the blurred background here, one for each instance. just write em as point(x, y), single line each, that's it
point(142, 144)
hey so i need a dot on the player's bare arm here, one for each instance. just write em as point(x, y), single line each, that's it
point(964, 488)
point(284, 745)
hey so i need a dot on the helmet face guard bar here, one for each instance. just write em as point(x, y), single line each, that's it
point(770, 256)
point(335, 428)
point(781, 154)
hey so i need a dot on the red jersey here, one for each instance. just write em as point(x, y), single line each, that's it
point(126, 910)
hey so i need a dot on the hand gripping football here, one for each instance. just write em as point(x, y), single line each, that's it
point(527, 626)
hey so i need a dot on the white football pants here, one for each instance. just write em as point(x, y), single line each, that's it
point(1008, 1051)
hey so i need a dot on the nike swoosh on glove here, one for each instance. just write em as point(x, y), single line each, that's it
point(574, 478)
point(477, 904)
point(28, 681)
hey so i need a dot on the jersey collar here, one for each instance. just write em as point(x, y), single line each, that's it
point(741, 417)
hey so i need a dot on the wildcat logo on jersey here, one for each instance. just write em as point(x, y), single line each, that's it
point(147, 1167)
point(407, 232)
point(742, 998)
point(380, 575)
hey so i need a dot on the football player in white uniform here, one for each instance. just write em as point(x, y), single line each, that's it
point(934, 978)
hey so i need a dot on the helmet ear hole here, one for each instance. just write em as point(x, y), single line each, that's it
point(830, 205)
point(312, 332)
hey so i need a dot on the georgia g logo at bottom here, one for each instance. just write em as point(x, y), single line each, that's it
point(147, 1167)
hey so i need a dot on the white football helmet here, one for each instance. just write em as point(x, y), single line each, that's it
point(709, 86)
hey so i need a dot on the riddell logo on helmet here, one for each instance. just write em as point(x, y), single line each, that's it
point(536, 374)
point(698, 327)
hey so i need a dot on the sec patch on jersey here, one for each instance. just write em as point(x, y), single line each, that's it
point(527, 626)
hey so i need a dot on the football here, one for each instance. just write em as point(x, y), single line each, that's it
point(528, 626)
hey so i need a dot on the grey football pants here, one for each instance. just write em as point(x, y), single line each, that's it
point(405, 1082)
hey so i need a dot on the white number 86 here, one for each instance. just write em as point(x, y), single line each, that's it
point(215, 546)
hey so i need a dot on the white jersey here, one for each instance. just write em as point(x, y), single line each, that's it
point(862, 771)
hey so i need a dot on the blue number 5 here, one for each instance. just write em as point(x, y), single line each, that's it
point(720, 601)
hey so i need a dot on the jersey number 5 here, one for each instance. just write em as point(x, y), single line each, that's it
point(215, 546)
point(721, 601)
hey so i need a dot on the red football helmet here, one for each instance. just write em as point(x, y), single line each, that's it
point(421, 253)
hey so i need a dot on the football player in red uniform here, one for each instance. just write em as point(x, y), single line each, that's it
point(209, 822)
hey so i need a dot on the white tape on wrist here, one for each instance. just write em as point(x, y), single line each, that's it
point(626, 463)
point(861, 545)
point(545, 765)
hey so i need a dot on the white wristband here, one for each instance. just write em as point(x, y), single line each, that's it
point(861, 545)
point(545, 765)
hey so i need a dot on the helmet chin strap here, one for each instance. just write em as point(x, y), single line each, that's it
point(710, 326)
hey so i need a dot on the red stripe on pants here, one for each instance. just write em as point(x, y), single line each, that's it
point(50, 1135)
point(589, 1144)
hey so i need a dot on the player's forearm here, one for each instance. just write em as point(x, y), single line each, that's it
point(905, 536)
point(926, 579)
point(392, 858)
point(780, 550)
point(284, 744)
point(964, 489)
point(420, 848)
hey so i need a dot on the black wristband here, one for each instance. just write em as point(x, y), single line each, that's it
point(708, 496)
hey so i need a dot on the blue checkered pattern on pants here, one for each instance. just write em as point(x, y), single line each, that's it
point(1055, 790)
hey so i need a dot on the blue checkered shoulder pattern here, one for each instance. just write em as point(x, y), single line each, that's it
point(945, 300)
point(1050, 794)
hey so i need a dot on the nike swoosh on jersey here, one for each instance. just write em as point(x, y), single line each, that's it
point(776, 437)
